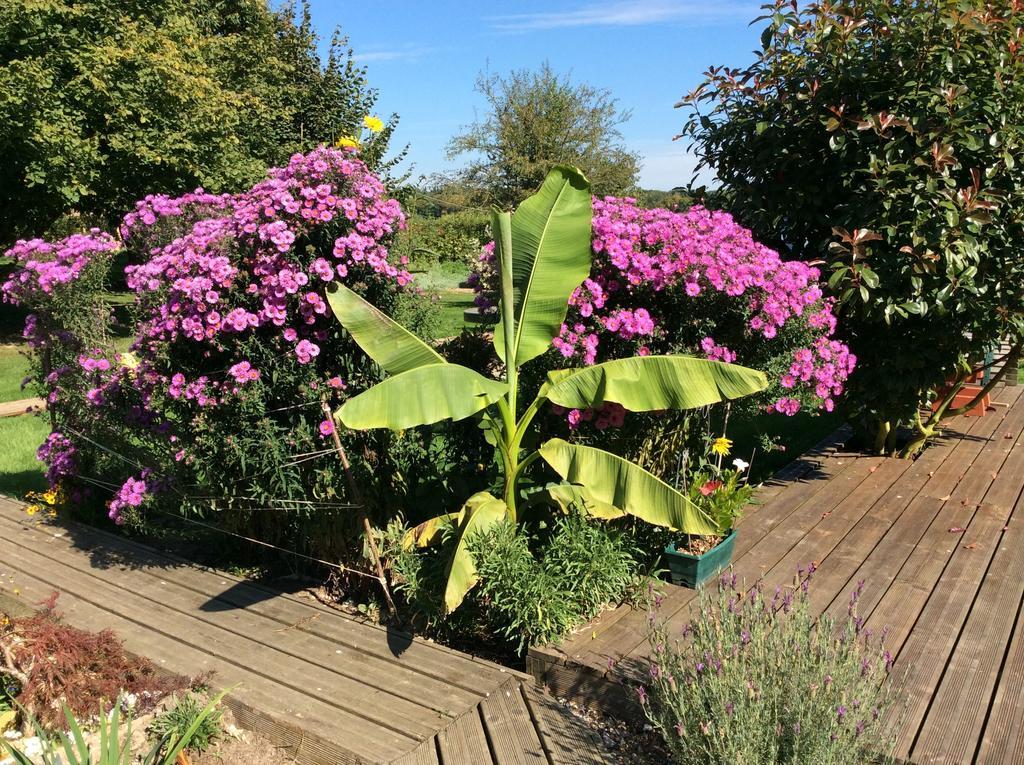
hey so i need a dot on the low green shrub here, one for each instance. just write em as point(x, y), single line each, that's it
point(757, 680)
point(536, 582)
point(189, 720)
point(115, 741)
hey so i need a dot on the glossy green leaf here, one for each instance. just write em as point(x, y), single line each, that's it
point(480, 512)
point(654, 383)
point(550, 258)
point(614, 481)
point(568, 495)
point(421, 396)
point(385, 341)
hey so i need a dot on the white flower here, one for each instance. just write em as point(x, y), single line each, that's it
point(740, 464)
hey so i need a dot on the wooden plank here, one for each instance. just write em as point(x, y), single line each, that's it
point(566, 740)
point(464, 742)
point(510, 730)
point(375, 705)
point(286, 717)
point(592, 646)
point(956, 715)
point(1003, 740)
point(436, 697)
point(228, 593)
point(921, 536)
point(766, 535)
point(424, 754)
point(935, 633)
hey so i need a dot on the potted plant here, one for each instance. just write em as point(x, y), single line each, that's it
point(721, 494)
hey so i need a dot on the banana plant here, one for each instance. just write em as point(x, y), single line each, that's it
point(544, 254)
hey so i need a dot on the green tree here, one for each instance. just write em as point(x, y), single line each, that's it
point(104, 101)
point(537, 119)
point(883, 138)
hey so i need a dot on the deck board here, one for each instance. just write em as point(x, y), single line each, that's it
point(939, 545)
point(328, 688)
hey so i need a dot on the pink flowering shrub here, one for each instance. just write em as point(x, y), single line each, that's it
point(218, 399)
point(696, 282)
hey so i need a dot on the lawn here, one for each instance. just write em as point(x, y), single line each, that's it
point(19, 470)
point(442, 280)
point(13, 368)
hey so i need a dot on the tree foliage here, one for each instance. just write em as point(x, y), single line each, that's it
point(537, 119)
point(102, 102)
point(885, 136)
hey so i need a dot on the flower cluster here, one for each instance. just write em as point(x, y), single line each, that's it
point(697, 282)
point(58, 453)
point(44, 267)
point(230, 303)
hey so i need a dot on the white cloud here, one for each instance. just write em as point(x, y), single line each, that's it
point(626, 13)
point(409, 53)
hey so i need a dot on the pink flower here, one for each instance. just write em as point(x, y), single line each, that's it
point(306, 351)
point(326, 428)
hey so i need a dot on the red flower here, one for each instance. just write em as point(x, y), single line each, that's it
point(710, 487)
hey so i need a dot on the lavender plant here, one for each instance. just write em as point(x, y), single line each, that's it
point(757, 679)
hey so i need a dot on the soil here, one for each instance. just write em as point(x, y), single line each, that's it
point(241, 747)
point(629, 743)
point(698, 545)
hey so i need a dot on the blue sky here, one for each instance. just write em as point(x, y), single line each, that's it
point(424, 58)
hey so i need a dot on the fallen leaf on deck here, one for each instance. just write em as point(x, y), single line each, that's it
point(971, 546)
point(946, 498)
point(873, 469)
point(956, 530)
point(995, 476)
point(826, 514)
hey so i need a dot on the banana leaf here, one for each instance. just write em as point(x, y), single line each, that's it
point(383, 339)
point(550, 258)
point(421, 396)
point(654, 383)
point(614, 481)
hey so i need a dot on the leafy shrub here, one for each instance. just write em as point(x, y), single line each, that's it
point(106, 101)
point(190, 722)
point(218, 403)
point(536, 583)
point(757, 680)
point(454, 236)
point(885, 136)
point(54, 664)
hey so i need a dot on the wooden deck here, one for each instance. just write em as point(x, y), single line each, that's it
point(328, 688)
point(939, 544)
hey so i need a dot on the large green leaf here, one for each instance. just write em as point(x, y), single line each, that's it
point(421, 396)
point(385, 341)
point(480, 512)
point(614, 481)
point(654, 383)
point(569, 495)
point(550, 259)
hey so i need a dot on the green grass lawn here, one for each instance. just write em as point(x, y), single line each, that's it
point(20, 471)
point(442, 280)
point(13, 368)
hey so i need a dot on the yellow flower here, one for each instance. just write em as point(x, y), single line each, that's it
point(347, 142)
point(373, 124)
point(32, 509)
point(721, 446)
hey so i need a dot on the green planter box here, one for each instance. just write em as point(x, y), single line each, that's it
point(693, 570)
